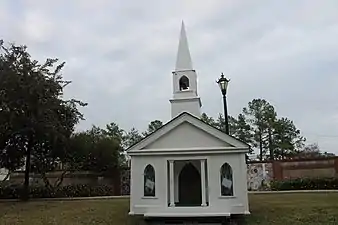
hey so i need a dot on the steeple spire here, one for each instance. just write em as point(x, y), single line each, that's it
point(183, 60)
point(185, 97)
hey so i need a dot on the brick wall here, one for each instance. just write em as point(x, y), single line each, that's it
point(301, 168)
point(298, 168)
point(80, 177)
point(261, 173)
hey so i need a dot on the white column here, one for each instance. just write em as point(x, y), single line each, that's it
point(171, 183)
point(203, 184)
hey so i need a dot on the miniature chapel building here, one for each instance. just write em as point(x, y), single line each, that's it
point(188, 168)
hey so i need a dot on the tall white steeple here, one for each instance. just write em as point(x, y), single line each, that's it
point(183, 60)
point(185, 97)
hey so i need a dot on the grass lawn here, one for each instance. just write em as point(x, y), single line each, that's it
point(279, 209)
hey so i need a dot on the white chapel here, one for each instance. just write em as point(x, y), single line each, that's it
point(188, 168)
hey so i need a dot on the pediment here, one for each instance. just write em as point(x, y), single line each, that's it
point(187, 131)
point(186, 135)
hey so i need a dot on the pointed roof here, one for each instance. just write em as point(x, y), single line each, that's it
point(183, 60)
point(236, 144)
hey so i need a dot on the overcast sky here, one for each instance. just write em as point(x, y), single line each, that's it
point(120, 55)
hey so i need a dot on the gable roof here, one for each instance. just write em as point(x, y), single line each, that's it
point(197, 122)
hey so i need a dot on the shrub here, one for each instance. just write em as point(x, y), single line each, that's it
point(80, 190)
point(10, 191)
point(305, 184)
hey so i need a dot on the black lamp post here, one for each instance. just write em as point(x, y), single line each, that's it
point(223, 85)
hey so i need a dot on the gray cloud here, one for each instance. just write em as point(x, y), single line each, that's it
point(120, 55)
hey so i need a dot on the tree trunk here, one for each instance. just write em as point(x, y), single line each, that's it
point(282, 148)
point(25, 194)
point(59, 181)
point(260, 147)
point(7, 176)
point(270, 145)
point(46, 181)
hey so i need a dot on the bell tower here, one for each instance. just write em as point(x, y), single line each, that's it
point(185, 97)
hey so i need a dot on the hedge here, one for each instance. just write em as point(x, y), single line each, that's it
point(80, 190)
point(305, 184)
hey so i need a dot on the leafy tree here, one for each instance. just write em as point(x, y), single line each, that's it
point(287, 138)
point(113, 130)
point(237, 127)
point(260, 116)
point(233, 126)
point(35, 121)
point(152, 127)
point(260, 127)
point(80, 145)
point(242, 130)
point(132, 137)
point(219, 123)
point(123, 138)
point(275, 138)
point(312, 151)
point(209, 120)
point(94, 150)
point(270, 117)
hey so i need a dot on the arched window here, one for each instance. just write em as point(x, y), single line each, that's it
point(149, 181)
point(226, 180)
point(184, 83)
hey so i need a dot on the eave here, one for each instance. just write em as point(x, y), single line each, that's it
point(188, 151)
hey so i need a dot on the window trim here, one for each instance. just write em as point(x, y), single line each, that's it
point(232, 180)
point(144, 174)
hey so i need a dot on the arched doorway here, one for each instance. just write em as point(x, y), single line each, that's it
point(189, 189)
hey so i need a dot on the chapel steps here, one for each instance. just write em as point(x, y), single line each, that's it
point(199, 221)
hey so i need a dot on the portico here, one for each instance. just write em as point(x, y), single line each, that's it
point(187, 184)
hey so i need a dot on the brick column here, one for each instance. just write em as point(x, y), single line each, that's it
point(336, 165)
point(277, 170)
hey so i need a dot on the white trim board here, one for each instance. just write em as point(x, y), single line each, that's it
point(188, 151)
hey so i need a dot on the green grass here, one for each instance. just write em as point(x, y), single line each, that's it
point(278, 209)
point(294, 209)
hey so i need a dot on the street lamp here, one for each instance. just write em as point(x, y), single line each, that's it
point(223, 85)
